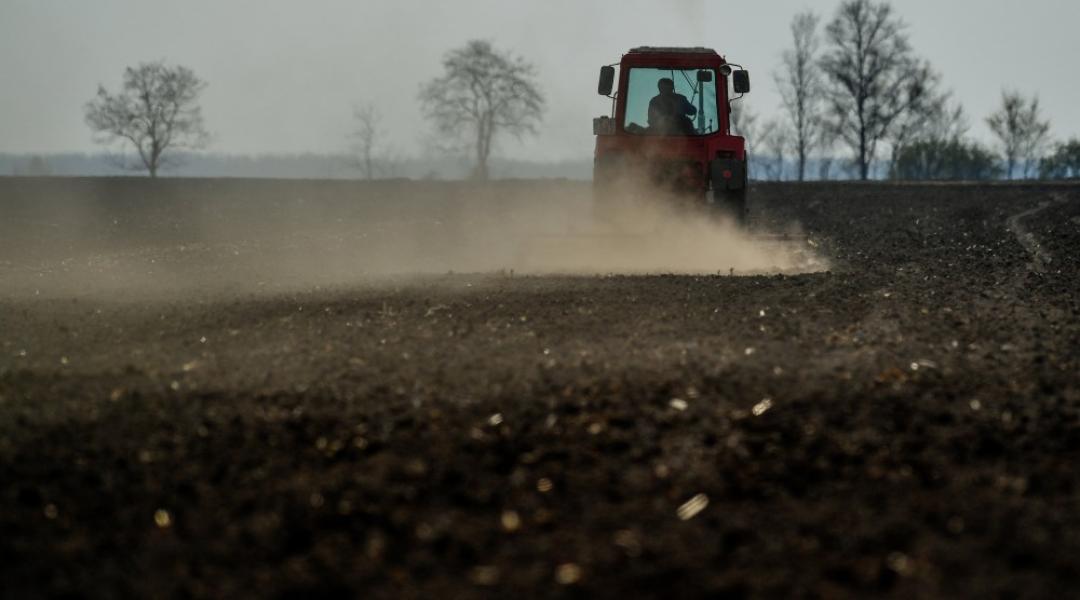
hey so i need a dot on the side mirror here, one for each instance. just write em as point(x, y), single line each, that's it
point(704, 76)
point(741, 81)
point(607, 81)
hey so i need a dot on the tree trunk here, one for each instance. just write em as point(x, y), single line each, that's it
point(485, 130)
point(802, 141)
point(155, 158)
point(864, 164)
point(480, 170)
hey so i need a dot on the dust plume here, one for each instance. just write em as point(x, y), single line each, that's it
point(653, 234)
point(148, 239)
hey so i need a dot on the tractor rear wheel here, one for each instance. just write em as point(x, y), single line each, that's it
point(731, 203)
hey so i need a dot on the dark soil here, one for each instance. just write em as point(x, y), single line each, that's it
point(907, 424)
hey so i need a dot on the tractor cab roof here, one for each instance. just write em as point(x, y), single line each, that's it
point(666, 56)
point(671, 50)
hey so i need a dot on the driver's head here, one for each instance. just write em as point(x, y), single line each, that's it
point(666, 86)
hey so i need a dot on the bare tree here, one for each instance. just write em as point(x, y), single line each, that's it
point(1063, 163)
point(801, 87)
point(926, 111)
point(937, 122)
point(775, 139)
point(744, 122)
point(938, 148)
point(156, 111)
point(483, 92)
point(949, 123)
point(874, 77)
point(1019, 127)
point(826, 143)
point(366, 138)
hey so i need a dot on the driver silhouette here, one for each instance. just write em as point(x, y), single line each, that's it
point(669, 113)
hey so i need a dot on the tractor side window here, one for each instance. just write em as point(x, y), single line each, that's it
point(671, 102)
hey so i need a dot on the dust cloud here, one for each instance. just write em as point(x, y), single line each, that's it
point(149, 241)
point(654, 234)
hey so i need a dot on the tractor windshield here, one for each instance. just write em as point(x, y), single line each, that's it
point(671, 102)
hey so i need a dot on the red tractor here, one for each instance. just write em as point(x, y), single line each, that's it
point(671, 127)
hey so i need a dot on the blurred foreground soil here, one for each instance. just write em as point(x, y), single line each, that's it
point(206, 421)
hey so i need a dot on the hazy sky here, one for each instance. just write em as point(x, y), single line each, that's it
point(283, 75)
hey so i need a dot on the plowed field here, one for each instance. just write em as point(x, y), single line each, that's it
point(256, 389)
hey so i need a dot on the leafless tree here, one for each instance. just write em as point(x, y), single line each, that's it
point(826, 143)
point(935, 120)
point(366, 139)
point(952, 123)
point(744, 122)
point(940, 150)
point(775, 139)
point(1019, 126)
point(925, 112)
point(874, 78)
point(483, 92)
point(947, 123)
point(801, 87)
point(156, 111)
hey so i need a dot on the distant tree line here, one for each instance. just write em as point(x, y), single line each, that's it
point(858, 86)
point(852, 87)
point(1064, 163)
point(342, 164)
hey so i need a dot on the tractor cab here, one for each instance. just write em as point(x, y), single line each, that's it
point(670, 121)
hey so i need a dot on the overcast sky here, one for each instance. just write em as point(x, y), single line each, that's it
point(283, 75)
